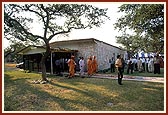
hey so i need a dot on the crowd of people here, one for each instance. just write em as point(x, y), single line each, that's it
point(149, 64)
point(142, 64)
point(92, 66)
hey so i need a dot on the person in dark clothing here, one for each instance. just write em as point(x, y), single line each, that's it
point(156, 64)
point(118, 65)
point(123, 64)
point(130, 67)
point(58, 67)
point(112, 65)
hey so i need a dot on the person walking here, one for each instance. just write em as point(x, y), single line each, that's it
point(71, 65)
point(94, 65)
point(89, 66)
point(81, 66)
point(118, 65)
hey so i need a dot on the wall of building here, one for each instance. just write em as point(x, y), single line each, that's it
point(105, 52)
point(101, 50)
point(85, 49)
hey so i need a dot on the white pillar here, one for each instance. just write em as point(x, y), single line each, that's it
point(51, 64)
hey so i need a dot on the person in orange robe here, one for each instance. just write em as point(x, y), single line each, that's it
point(94, 65)
point(71, 64)
point(89, 66)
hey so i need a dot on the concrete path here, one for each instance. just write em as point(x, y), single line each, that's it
point(127, 77)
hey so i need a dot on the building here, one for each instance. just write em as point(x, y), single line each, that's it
point(79, 48)
point(32, 58)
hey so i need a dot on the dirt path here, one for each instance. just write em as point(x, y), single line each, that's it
point(135, 78)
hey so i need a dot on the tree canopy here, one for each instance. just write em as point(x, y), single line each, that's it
point(147, 23)
point(72, 16)
point(53, 20)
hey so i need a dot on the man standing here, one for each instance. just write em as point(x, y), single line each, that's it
point(150, 65)
point(157, 64)
point(147, 64)
point(81, 66)
point(58, 69)
point(143, 63)
point(118, 65)
point(130, 65)
point(139, 63)
point(112, 66)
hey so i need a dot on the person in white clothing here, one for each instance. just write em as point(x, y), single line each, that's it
point(143, 63)
point(151, 65)
point(81, 66)
point(139, 63)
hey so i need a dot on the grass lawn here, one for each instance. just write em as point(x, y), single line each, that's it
point(79, 94)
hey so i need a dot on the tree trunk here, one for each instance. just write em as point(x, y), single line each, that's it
point(43, 67)
point(43, 60)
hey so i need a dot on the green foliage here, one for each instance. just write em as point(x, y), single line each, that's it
point(72, 16)
point(147, 21)
point(10, 53)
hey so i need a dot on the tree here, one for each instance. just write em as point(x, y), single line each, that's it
point(12, 51)
point(15, 46)
point(147, 21)
point(55, 19)
point(130, 43)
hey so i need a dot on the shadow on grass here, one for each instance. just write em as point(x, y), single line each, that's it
point(20, 95)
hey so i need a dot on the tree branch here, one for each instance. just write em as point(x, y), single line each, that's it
point(25, 31)
point(47, 21)
point(28, 8)
point(62, 32)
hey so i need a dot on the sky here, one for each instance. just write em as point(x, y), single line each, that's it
point(105, 33)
